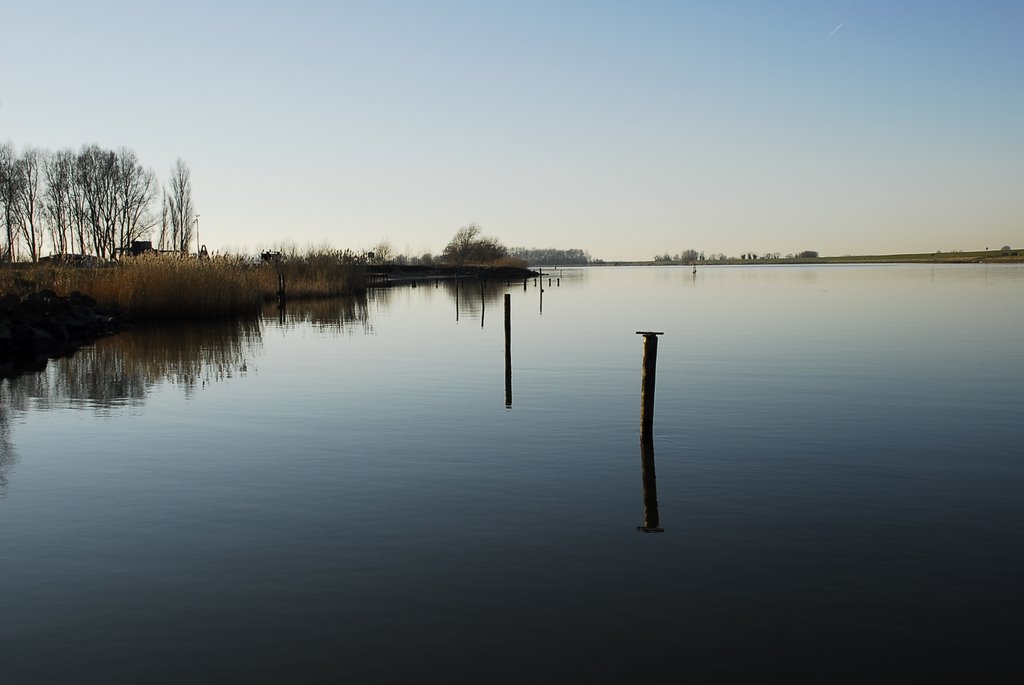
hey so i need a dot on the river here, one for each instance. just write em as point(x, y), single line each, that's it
point(355, 490)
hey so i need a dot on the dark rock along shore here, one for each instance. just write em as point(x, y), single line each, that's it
point(43, 325)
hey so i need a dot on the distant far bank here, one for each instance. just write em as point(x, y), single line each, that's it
point(979, 257)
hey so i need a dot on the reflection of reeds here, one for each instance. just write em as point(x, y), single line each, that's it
point(470, 298)
point(7, 455)
point(172, 287)
point(120, 370)
point(185, 352)
point(341, 314)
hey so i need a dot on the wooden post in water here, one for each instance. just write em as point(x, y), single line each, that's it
point(280, 290)
point(650, 372)
point(508, 351)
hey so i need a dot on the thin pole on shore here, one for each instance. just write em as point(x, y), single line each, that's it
point(508, 351)
point(647, 381)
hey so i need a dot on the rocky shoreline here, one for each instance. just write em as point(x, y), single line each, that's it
point(43, 326)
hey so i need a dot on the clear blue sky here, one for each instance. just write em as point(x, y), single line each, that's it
point(623, 128)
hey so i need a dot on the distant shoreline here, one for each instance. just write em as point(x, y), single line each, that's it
point(980, 257)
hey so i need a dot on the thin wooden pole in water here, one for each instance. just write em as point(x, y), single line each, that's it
point(508, 351)
point(280, 290)
point(647, 380)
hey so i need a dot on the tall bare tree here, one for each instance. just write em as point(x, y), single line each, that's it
point(30, 168)
point(10, 194)
point(97, 177)
point(178, 214)
point(136, 190)
point(58, 200)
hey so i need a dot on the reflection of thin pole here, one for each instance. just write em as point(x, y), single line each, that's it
point(650, 372)
point(483, 305)
point(650, 485)
point(456, 298)
point(541, 271)
point(508, 351)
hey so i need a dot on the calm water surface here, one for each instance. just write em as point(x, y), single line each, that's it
point(342, 493)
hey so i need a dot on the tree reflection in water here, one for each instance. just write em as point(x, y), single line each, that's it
point(121, 370)
point(7, 455)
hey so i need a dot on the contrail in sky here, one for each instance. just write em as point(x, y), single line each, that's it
point(834, 31)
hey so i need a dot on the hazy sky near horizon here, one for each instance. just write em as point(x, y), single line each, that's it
point(623, 128)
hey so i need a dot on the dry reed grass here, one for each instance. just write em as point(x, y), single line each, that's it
point(515, 262)
point(167, 287)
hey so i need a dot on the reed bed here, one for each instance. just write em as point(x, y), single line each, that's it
point(515, 262)
point(314, 274)
point(171, 287)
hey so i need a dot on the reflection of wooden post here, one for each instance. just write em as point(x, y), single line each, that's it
point(456, 298)
point(650, 372)
point(483, 305)
point(280, 290)
point(650, 484)
point(508, 351)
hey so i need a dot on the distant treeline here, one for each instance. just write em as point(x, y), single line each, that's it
point(471, 246)
point(549, 256)
point(91, 202)
point(689, 256)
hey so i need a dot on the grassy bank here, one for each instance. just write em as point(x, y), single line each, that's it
point(164, 287)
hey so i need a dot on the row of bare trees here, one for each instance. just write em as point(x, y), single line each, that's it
point(91, 202)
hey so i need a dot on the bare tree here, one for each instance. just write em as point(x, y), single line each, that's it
point(30, 169)
point(10, 193)
point(469, 246)
point(58, 199)
point(96, 176)
point(136, 190)
point(383, 252)
point(177, 214)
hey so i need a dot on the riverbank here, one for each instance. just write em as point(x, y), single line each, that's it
point(389, 275)
point(43, 325)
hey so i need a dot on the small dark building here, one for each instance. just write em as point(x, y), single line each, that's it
point(140, 246)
